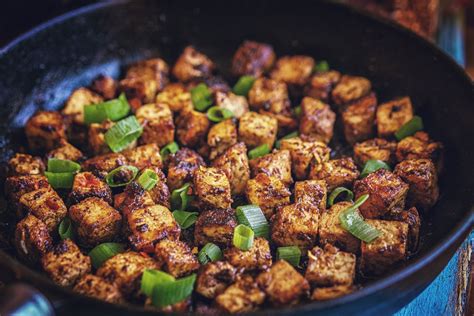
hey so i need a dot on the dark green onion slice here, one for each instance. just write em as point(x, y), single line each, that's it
point(123, 133)
point(217, 114)
point(322, 66)
point(352, 221)
point(167, 293)
point(243, 237)
point(180, 198)
point(201, 96)
point(169, 149)
point(372, 166)
point(297, 111)
point(259, 151)
point(103, 252)
point(185, 219)
point(348, 195)
point(409, 128)
point(209, 253)
point(243, 85)
point(62, 165)
point(252, 216)
point(65, 229)
point(121, 176)
point(60, 180)
point(114, 110)
point(290, 135)
point(148, 179)
point(292, 254)
point(150, 277)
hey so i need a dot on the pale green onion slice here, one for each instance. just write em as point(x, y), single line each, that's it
point(252, 216)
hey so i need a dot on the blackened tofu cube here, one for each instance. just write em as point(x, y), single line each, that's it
point(212, 188)
point(96, 137)
point(160, 193)
point(358, 119)
point(66, 151)
point(392, 115)
point(420, 146)
point(216, 226)
point(257, 129)
point(132, 198)
point(375, 149)
point(242, 296)
point(144, 156)
point(158, 125)
point(221, 136)
point(65, 264)
point(103, 164)
point(176, 96)
point(317, 120)
point(253, 59)
point(192, 127)
point(74, 108)
point(336, 172)
point(256, 258)
point(87, 185)
point(176, 257)
point(412, 218)
point(98, 288)
point(329, 293)
point(313, 192)
point(214, 277)
point(293, 70)
point(105, 86)
point(269, 95)
point(192, 65)
point(32, 239)
point(276, 164)
point(95, 221)
point(283, 284)
point(182, 166)
point(16, 186)
point(330, 266)
point(44, 130)
point(350, 88)
point(237, 104)
point(387, 192)
point(24, 165)
point(235, 164)
point(321, 84)
point(385, 252)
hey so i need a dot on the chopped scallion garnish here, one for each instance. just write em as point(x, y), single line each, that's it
point(243, 85)
point(209, 253)
point(409, 128)
point(60, 180)
point(123, 133)
point(297, 111)
point(121, 176)
point(103, 252)
point(185, 219)
point(65, 229)
point(292, 254)
point(148, 179)
point(167, 292)
point(180, 198)
point(150, 277)
point(348, 195)
point(372, 166)
point(217, 114)
point(113, 110)
point(62, 165)
point(352, 221)
point(259, 151)
point(169, 149)
point(252, 216)
point(243, 237)
point(322, 66)
point(201, 96)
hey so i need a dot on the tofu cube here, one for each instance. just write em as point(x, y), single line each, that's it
point(269, 95)
point(336, 172)
point(158, 125)
point(176, 96)
point(16, 186)
point(329, 293)
point(317, 120)
point(358, 119)
point(349, 89)
point(192, 127)
point(44, 130)
point(87, 185)
point(192, 64)
point(276, 164)
point(313, 192)
point(98, 288)
point(66, 151)
point(24, 165)
point(103, 164)
point(176, 257)
point(216, 226)
point(220, 137)
point(321, 84)
point(144, 156)
point(182, 166)
point(257, 129)
point(392, 115)
point(214, 277)
point(375, 149)
point(293, 70)
point(253, 59)
point(212, 188)
point(96, 137)
point(237, 104)
point(242, 296)
point(160, 193)
point(412, 218)
point(74, 108)
point(105, 86)
point(32, 239)
point(420, 146)
point(256, 258)
point(132, 198)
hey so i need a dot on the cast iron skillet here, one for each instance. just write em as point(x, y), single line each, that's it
point(41, 68)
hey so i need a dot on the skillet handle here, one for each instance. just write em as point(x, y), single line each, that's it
point(22, 299)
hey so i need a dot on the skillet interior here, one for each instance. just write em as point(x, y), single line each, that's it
point(41, 71)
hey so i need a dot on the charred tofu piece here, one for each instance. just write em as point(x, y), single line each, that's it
point(329, 293)
point(65, 264)
point(105, 86)
point(32, 239)
point(421, 176)
point(349, 89)
point(412, 218)
point(87, 185)
point(358, 119)
point(375, 149)
point(221, 136)
point(182, 166)
point(235, 164)
point(44, 130)
point(158, 125)
point(303, 154)
point(331, 231)
point(257, 129)
point(16, 186)
point(192, 127)
point(321, 84)
point(103, 164)
point(95, 221)
point(192, 65)
point(276, 164)
point(313, 192)
point(237, 104)
point(176, 96)
point(267, 192)
point(149, 225)
point(125, 270)
point(24, 165)
point(212, 188)
point(253, 59)
point(214, 277)
point(216, 226)
point(256, 258)
point(132, 198)
point(96, 287)
point(283, 284)
point(293, 70)
point(385, 252)
point(144, 156)
point(160, 193)
point(387, 192)
point(317, 120)
point(392, 115)
point(96, 137)
point(420, 146)
point(176, 257)
point(330, 266)
point(336, 172)
point(66, 151)
point(269, 95)
point(46, 205)
point(74, 108)
point(242, 296)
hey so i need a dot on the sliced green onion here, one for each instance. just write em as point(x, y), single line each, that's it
point(150, 277)
point(297, 111)
point(123, 133)
point(322, 66)
point(62, 165)
point(209, 253)
point(169, 149)
point(114, 110)
point(65, 229)
point(167, 293)
point(201, 96)
point(103, 252)
point(243, 237)
point(354, 223)
point(259, 151)
point(148, 179)
point(337, 191)
point(409, 128)
point(121, 176)
point(292, 254)
point(60, 180)
point(372, 166)
point(252, 216)
point(243, 85)
point(290, 135)
point(217, 114)
point(185, 219)
point(180, 198)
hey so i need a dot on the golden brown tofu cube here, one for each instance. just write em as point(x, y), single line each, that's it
point(16, 186)
point(74, 108)
point(235, 164)
point(192, 127)
point(44, 130)
point(293, 70)
point(149, 225)
point(96, 287)
point(420, 146)
point(358, 119)
point(283, 284)
point(329, 293)
point(182, 166)
point(158, 125)
point(392, 115)
point(242, 296)
point(330, 266)
point(331, 231)
point(321, 85)
point(87, 185)
point(95, 221)
point(144, 156)
point(24, 165)
point(349, 89)
point(103, 164)
point(212, 188)
point(412, 218)
point(125, 270)
point(221, 136)
point(176, 96)
point(276, 164)
point(317, 120)
point(214, 277)
point(385, 252)
point(96, 137)
point(313, 192)
point(176, 257)
point(105, 86)
point(65, 264)
point(216, 226)
point(237, 104)
point(257, 129)
point(192, 65)
point(269, 95)
point(32, 239)
point(387, 192)
point(375, 149)
point(66, 151)
point(253, 59)
point(256, 258)
point(336, 172)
